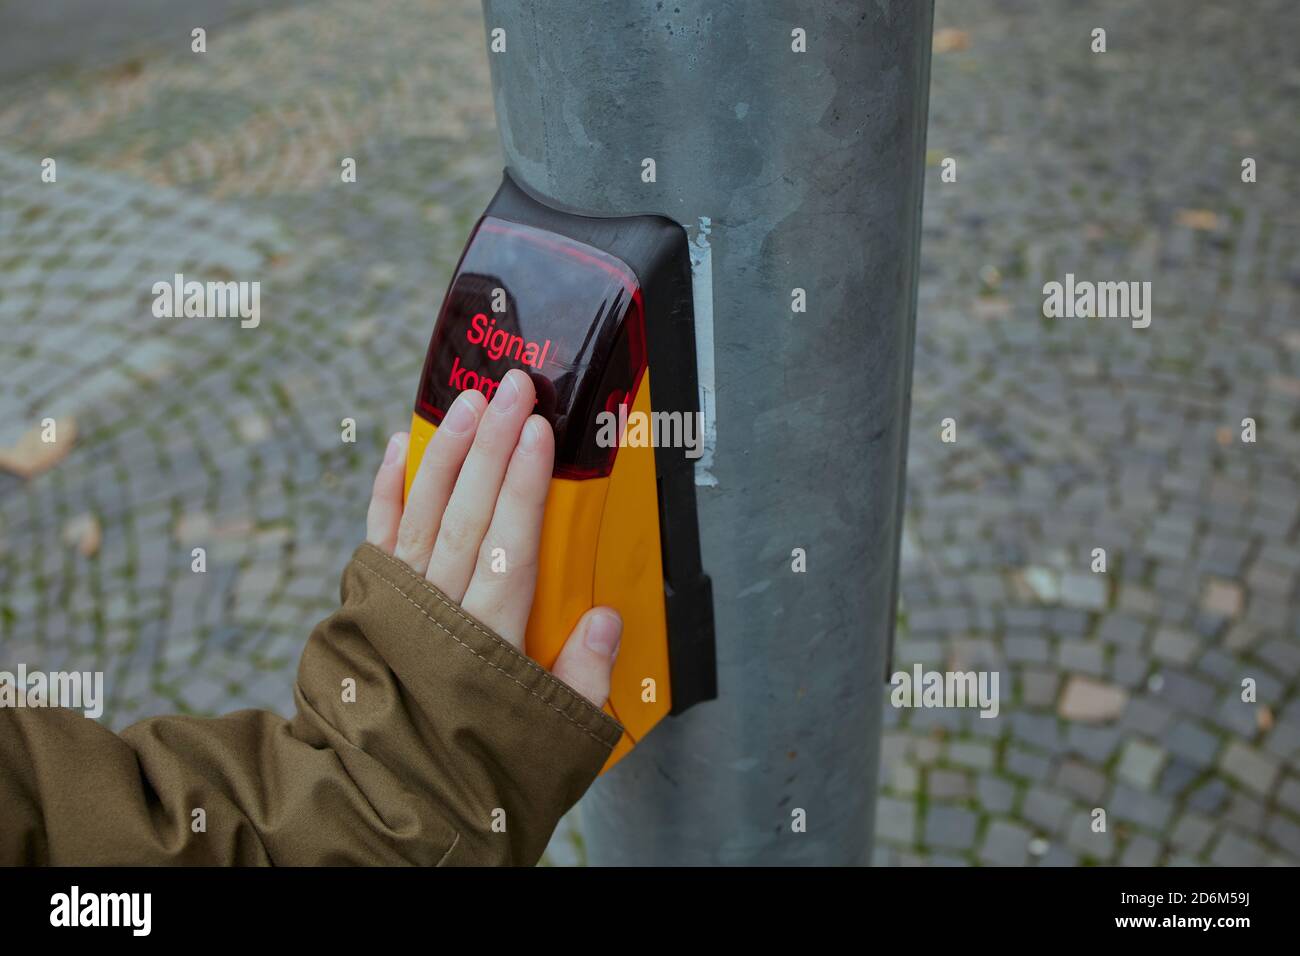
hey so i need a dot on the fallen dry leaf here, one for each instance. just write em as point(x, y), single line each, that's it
point(84, 533)
point(1203, 220)
point(1264, 718)
point(31, 456)
point(948, 40)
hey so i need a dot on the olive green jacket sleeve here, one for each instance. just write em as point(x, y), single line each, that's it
point(420, 737)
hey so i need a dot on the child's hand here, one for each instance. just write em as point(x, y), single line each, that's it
point(482, 485)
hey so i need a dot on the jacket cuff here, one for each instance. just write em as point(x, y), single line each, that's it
point(468, 635)
point(517, 746)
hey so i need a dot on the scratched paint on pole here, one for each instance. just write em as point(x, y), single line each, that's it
point(702, 286)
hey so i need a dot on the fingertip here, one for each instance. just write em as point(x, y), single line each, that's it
point(463, 414)
point(524, 382)
point(515, 387)
point(586, 662)
point(396, 450)
point(604, 632)
point(536, 435)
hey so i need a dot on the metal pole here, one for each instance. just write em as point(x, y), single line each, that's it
point(792, 170)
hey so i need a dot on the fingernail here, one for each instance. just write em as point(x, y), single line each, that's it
point(604, 631)
point(531, 436)
point(460, 418)
point(507, 392)
point(394, 448)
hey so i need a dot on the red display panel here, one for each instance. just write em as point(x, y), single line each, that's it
point(566, 313)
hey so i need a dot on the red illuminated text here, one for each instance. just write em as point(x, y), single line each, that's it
point(498, 343)
point(462, 378)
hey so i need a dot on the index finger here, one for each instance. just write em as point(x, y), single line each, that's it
point(500, 593)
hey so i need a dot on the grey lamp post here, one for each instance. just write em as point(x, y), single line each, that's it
point(789, 138)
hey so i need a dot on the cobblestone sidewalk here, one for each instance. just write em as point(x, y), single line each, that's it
point(1120, 691)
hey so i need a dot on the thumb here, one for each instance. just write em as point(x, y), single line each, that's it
point(588, 656)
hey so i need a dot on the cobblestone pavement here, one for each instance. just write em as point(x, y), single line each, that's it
point(1120, 691)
